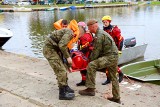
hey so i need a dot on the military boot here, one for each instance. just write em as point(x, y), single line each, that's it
point(69, 90)
point(121, 77)
point(88, 92)
point(64, 95)
point(82, 83)
point(114, 100)
point(106, 82)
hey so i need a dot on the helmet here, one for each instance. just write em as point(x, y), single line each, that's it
point(106, 18)
point(79, 60)
point(82, 24)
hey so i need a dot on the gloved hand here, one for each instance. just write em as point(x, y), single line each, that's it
point(119, 52)
point(70, 69)
point(69, 60)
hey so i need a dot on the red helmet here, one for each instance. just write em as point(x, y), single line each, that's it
point(80, 62)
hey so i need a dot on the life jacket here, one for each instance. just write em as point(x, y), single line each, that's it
point(73, 25)
point(115, 32)
point(85, 40)
point(85, 44)
point(57, 24)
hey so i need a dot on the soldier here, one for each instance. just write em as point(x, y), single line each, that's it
point(54, 50)
point(104, 55)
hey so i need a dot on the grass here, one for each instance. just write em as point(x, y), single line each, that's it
point(155, 3)
point(39, 6)
point(152, 3)
point(59, 5)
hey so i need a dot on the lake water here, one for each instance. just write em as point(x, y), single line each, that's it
point(31, 28)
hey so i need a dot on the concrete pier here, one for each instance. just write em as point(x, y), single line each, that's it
point(30, 82)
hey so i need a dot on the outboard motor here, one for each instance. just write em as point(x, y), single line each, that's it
point(130, 42)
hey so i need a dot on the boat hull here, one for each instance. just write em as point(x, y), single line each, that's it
point(72, 7)
point(5, 35)
point(22, 9)
point(3, 40)
point(50, 9)
point(132, 53)
point(88, 6)
point(146, 71)
point(63, 8)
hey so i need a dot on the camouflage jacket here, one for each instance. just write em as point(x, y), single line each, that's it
point(60, 39)
point(103, 45)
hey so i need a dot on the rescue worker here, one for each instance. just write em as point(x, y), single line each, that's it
point(115, 33)
point(84, 45)
point(72, 25)
point(62, 23)
point(54, 50)
point(104, 55)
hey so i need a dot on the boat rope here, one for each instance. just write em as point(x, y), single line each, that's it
point(129, 80)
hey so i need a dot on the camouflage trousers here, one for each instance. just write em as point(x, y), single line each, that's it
point(102, 63)
point(57, 65)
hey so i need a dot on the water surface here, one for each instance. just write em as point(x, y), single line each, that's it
point(31, 28)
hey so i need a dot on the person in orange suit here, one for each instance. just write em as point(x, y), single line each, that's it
point(115, 33)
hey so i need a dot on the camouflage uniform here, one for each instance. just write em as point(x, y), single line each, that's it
point(54, 49)
point(104, 55)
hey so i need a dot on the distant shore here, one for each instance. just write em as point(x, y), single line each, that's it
point(11, 9)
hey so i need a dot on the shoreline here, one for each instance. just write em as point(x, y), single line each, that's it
point(30, 82)
point(57, 8)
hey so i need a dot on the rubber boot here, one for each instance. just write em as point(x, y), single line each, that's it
point(88, 92)
point(83, 75)
point(106, 82)
point(82, 83)
point(114, 100)
point(64, 95)
point(121, 77)
point(69, 90)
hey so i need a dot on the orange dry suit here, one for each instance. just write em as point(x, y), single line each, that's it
point(85, 44)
